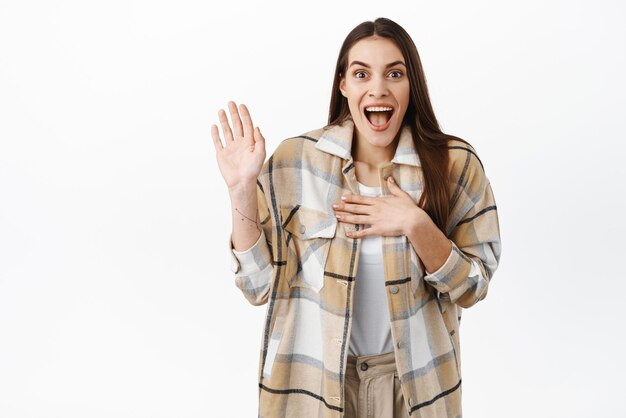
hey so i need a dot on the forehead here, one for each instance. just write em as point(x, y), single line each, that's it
point(375, 51)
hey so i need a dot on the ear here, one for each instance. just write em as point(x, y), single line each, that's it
point(342, 86)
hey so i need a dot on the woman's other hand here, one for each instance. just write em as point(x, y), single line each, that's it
point(241, 157)
point(390, 215)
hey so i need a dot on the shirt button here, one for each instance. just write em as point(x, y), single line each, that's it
point(364, 366)
point(393, 289)
point(302, 229)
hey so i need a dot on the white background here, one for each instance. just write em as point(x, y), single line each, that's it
point(116, 295)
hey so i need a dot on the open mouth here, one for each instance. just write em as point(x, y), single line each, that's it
point(379, 117)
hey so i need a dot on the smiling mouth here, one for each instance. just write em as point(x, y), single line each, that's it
point(379, 117)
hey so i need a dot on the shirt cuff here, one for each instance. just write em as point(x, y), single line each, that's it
point(252, 260)
point(455, 276)
point(440, 272)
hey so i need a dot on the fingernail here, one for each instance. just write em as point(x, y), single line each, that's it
point(343, 198)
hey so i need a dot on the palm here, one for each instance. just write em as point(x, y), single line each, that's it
point(242, 157)
point(240, 161)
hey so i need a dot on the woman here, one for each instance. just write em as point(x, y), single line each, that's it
point(365, 238)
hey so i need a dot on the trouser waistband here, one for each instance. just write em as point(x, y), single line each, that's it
point(361, 367)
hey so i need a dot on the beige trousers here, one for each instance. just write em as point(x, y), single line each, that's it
point(372, 388)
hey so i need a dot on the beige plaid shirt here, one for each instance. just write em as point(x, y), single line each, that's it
point(303, 266)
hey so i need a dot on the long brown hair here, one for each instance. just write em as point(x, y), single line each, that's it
point(431, 143)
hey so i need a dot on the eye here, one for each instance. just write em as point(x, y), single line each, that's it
point(356, 74)
point(399, 73)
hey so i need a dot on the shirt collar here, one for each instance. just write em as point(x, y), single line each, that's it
point(337, 140)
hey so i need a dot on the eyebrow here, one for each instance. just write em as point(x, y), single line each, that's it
point(391, 64)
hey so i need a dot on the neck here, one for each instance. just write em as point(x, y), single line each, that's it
point(372, 155)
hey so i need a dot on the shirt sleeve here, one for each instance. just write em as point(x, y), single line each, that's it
point(253, 268)
point(476, 247)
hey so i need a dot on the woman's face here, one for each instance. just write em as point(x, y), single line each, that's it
point(377, 88)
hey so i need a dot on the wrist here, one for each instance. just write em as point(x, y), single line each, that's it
point(243, 188)
point(416, 222)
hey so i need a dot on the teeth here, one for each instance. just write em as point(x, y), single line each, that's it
point(378, 108)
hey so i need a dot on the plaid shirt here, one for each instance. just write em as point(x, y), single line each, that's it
point(303, 266)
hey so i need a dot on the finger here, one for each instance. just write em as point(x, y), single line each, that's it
point(234, 117)
point(355, 208)
point(216, 138)
point(247, 122)
point(362, 233)
point(353, 219)
point(228, 134)
point(357, 198)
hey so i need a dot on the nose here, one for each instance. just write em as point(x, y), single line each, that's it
point(378, 87)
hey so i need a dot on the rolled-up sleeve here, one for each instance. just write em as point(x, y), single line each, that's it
point(253, 268)
point(476, 247)
point(252, 260)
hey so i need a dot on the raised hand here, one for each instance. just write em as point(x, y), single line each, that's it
point(242, 156)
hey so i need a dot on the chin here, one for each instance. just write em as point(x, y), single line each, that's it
point(385, 141)
point(378, 138)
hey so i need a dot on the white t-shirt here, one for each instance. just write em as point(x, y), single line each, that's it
point(371, 328)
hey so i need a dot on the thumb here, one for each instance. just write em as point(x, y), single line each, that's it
point(258, 137)
point(393, 186)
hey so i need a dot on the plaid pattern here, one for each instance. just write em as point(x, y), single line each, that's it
point(303, 267)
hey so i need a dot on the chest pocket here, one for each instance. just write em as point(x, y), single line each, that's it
point(308, 236)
